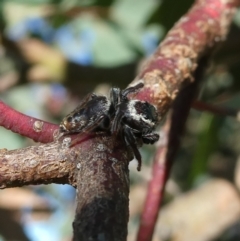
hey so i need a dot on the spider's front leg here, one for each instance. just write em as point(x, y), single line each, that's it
point(150, 137)
point(115, 97)
point(117, 122)
point(132, 89)
point(131, 141)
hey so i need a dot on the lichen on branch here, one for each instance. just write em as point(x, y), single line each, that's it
point(172, 65)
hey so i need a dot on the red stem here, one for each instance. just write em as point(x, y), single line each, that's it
point(166, 153)
point(218, 110)
point(175, 60)
point(37, 130)
point(155, 188)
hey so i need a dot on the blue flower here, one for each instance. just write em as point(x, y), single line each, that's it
point(37, 26)
point(75, 45)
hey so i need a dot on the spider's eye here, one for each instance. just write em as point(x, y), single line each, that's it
point(152, 112)
point(76, 115)
point(139, 107)
point(146, 110)
point(69, 119)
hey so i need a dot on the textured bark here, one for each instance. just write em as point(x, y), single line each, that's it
point(97, 166)
point(44, 164)
point(175, 60)
point(102, 191)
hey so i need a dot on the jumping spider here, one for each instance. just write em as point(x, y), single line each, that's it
point(133, 120)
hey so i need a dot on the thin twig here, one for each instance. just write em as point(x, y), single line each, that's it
point(214, 109)
point(155, 187)
point(37, 130)
point(166, 153)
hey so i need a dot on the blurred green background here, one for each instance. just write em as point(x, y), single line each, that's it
point(54, 52)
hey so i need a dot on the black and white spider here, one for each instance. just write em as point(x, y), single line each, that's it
point(133, 120)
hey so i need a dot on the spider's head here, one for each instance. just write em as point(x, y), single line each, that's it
point(142, 113)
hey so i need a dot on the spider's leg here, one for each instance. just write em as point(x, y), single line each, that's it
point(132, 89)
point(115, 97)
point(91, 126)
point(150, 137)
point(116, 123)
point(131, 141)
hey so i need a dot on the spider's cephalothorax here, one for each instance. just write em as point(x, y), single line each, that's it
point(133, 120)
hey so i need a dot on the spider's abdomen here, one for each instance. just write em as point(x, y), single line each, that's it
point(85, 115)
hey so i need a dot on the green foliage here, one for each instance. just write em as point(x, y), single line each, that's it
point(207, 142)
point(32, 2)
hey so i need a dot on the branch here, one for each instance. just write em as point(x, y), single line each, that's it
point(155, 187)
point(37, 130)
point(214, 109)
point(97, 166)
point(100, 170)
point(102, 191)
point(164, 75)
point(176, 58)
point(166, 153)
point(44, 164)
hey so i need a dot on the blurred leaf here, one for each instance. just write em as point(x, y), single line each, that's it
point(32, 2)
point(67, 4)
point(58, 19)
point(10, 140)
point(133, 14)
point(27, 99)
point(237, 18)
point(111, 46)
point(223, 77)
point(2, 21)
point(16, 12)
point(207, 142)
point(104, 3)
point(126, 37)
point(91, 40)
